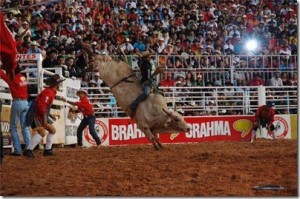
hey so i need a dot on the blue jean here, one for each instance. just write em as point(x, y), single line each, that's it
point(18, 112)
point(84, 122)
point(142, 97)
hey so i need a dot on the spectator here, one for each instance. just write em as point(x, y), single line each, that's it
point(189, 79)
point(168, 81)
point(257, 80)
point(140, 45)
point(161, 45)
point(127, 47)
point(276, 80)
point(103, 49)
point(97, 79)
point(285, 51)
point(34, 48)
point(24, 30)
point(73, 70)
point(199, 81)
point(94, 89)
point(294, 80)
point(228, 45)
point(50, 60)
point(85, 80)
point(62, 66)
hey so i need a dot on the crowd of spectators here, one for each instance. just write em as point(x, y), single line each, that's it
point(183, 28)
point(59, 29)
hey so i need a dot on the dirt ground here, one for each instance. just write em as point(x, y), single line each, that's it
point(202, 169)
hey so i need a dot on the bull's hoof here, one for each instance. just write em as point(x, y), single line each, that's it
point(156, 146)
point(160, 145)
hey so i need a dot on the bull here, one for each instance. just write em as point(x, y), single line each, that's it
point(152, 115)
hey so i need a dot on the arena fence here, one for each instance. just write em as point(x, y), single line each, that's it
point(201, 101)
point(210, 102)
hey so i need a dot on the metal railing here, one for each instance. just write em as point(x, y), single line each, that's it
point(197, 101)
point(222, 68)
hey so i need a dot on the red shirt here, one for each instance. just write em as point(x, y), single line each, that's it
point(18, 86)
point(256, 82)
point(265, 113)
point(167, 83)
point(44, 101)
point(85, 106)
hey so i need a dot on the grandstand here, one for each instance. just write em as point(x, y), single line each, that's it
point(201, 44)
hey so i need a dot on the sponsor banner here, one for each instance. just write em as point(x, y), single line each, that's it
point(72, 119)
point(101, 130)
point(218, 128)
point(282, 125)
point(21, 57)
point(125, 131)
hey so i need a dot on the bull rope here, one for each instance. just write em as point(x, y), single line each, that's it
point(125, 79)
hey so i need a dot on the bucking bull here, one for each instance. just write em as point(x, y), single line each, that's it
point(152, 115)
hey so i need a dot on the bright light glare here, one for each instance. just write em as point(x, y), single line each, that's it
point(251, 45)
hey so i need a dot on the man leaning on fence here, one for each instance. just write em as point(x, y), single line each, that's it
point(19, 108)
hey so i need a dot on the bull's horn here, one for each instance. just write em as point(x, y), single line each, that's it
point(167, 112)
point(88, 51)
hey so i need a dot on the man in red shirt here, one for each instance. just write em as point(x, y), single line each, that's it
point(264, 117)
point(169, 81)
point(89, 117)
point(19, 108)
point(42, 122)
point(257, 80)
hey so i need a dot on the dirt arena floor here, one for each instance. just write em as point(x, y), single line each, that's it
point(202, 169)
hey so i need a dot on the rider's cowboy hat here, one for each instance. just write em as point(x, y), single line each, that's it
point(54, 80)
point(82, 91)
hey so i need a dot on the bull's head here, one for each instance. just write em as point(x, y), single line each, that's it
point(175, 121)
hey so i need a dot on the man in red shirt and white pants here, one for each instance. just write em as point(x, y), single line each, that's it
point(264, 117)
point(41, 109)
point(89, 118)
point(19, 107)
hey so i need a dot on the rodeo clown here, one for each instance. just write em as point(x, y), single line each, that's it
point(40, 113)
point(89, 117)
point(264, 117)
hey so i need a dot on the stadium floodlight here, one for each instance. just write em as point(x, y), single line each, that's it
point(251, 45)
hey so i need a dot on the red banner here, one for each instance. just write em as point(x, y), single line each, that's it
point(8, 49)
point(228, 128)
